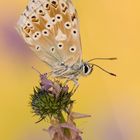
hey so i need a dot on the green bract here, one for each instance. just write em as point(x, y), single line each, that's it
point(45, 104)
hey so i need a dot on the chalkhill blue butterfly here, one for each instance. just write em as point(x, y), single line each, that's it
point(51, 29)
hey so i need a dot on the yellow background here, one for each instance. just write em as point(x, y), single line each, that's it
point(108, 28)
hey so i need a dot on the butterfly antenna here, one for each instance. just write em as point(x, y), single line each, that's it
point(105, 70)
point(36, 70)
point(113, 58)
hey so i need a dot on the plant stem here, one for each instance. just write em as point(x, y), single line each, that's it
point(66, 130)
point(61, 118)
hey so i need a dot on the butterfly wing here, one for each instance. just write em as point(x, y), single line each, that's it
point(51, 29)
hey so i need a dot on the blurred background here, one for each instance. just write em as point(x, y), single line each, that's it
point(109, 28)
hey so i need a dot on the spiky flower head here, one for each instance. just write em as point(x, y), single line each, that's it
point(51, 98)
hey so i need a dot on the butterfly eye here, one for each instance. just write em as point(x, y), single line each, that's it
point(72, 49)
point(60, 45)
point(36, 35)
point(74, 32)
point(52, 49)
point(45, 32)
point(58, 17)
point(67, 25)
point(38, 48)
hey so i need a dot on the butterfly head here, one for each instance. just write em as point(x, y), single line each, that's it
point(87, 69)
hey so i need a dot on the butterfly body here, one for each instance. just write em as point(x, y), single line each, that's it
point(74, 72)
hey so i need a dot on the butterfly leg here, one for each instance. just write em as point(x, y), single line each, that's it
point(76, 84)
point(75, 81)
point(75, 87)
point(67, 80)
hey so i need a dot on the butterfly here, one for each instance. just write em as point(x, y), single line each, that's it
point(51, 28)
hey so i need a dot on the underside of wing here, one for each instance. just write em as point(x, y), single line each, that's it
point(51, 28)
